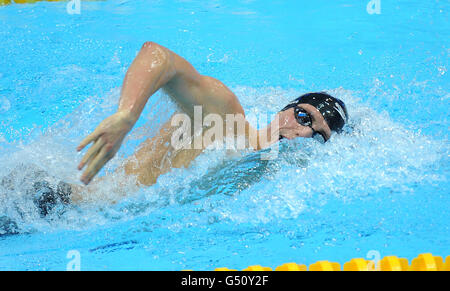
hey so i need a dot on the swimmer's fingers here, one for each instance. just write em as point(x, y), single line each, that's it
point(96, 165)
point(91, 152)
point(90, 138)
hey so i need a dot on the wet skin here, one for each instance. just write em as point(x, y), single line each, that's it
point(154, 68)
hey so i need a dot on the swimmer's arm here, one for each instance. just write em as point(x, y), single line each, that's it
point(152, 69)
point(176, 75)
point(157, 67)
point(217, 98)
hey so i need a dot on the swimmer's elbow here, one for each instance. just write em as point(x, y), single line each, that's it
point(156, 51)
point(148, 45)
point(161, 54)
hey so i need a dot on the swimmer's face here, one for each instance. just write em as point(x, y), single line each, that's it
point(290, 128)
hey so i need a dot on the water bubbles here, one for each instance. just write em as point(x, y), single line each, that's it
point(374, 153)
point(442, 70)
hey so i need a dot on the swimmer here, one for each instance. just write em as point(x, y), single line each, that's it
point(155, 67)
point(313, 115)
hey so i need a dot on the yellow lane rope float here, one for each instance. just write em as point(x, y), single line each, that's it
point(424, 262)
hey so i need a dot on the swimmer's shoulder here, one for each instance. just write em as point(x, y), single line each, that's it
point(219, 96)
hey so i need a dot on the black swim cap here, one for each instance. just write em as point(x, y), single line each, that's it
point(333, 109)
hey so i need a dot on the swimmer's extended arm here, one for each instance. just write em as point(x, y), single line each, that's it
point(154, 67)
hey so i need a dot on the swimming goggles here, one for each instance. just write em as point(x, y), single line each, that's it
point(303, 118)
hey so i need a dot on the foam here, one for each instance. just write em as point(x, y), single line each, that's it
point(374, 153)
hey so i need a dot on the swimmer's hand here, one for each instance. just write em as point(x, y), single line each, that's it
point(107, 139)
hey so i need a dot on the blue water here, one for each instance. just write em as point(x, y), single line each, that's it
point(382, 186)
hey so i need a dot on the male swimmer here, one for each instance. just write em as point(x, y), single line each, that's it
point(313, 115)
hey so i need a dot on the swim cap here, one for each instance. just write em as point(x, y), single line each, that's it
point(332, 109)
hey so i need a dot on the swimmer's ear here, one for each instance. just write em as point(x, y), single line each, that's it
point(90, 138)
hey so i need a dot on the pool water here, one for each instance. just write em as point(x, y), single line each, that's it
point(382, 186)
